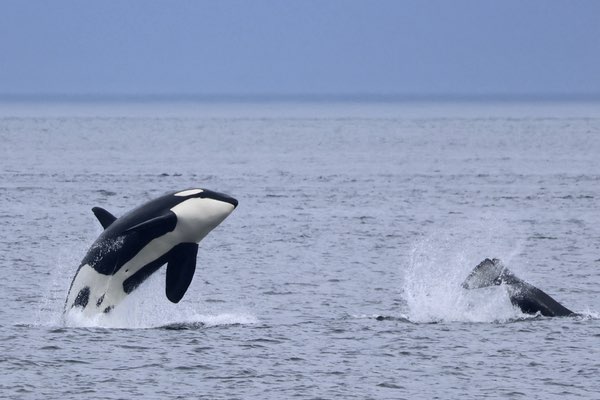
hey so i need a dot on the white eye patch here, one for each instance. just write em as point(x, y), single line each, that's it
point(189, 192)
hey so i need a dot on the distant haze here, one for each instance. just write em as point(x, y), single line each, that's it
point(290, 48)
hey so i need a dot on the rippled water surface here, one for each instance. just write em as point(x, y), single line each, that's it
point(347, 212)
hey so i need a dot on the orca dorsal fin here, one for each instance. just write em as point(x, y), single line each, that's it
point(162, 224)
point(180, 270)
point(105, 218)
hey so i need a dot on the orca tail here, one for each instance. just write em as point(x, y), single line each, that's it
point(488, 273)
point(527, 297)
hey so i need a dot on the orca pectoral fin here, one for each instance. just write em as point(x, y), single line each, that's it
point(105, 218)
point(160, 225)
point(180, 270)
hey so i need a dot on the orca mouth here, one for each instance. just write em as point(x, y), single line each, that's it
point(232, 201)
point(220, 197)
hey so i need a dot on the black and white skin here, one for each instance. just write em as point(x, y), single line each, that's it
point(162, 231)
point(528, 298)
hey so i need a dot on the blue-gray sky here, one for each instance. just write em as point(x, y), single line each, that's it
point(459, 47)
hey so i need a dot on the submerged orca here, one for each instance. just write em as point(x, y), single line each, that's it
point(162, 231)
point(527, 297)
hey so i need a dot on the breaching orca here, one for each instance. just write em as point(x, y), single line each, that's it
point(527, 297)
point(165, 230)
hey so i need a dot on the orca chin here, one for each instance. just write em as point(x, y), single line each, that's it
point(131, 248)
point(528, 298)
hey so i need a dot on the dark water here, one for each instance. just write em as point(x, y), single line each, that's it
point(346, 212)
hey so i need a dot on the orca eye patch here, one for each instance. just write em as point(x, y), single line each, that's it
point(189, 192)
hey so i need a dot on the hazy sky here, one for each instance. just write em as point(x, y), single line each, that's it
point(300, 47)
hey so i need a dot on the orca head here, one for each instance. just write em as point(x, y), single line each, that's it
point(200, 211)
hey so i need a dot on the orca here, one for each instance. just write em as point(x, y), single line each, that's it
point(523, 295)
point(162, 231)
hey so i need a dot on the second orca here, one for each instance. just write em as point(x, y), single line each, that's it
point(527, 297)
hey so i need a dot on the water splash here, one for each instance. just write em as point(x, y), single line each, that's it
point(588, 314)
point(439, 263)
point(145, 308)
point(127, 317)
point(52, 301)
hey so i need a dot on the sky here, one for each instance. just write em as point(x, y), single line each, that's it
point(259, 47)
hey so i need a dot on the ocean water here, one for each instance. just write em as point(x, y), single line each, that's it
point(347, 212)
